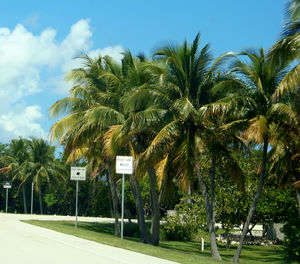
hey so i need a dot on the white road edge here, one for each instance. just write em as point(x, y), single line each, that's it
point(22, 243)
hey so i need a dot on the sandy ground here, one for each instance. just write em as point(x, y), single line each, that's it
point(21, 243)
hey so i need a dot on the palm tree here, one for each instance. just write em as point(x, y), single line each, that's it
point(95, 86)
point(137, 80)
point(40, 167)
point(287, 49)
point(285, 154)
point(263, 80)
point(91, 107)
point(15, 159)
point(176, 148)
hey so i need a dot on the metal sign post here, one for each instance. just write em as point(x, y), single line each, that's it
point(124, 165)
point(76, 209)
point(6, 185)
point(6, 200)
point(31, 207)
point(77, 174)
point(123, 191)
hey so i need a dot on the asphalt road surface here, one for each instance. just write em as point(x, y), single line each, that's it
point(22, 243)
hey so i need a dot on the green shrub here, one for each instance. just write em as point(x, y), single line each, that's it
point(291, 230)
point(190, 215)
point(162, 234)
point(177, 229)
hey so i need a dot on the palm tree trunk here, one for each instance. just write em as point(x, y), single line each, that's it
point(24, 199)
point(189, 200)
point(139, 207)
point(115, 200)
point(110, 201)
point(255, 200)
point(209, 207)
point(155, 224)
point(41, 202)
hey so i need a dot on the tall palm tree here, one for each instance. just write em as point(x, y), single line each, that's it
point(287, 49)
point(188, 80)
point(118, 78)
point(285, 154)
point(273, 76)
point(137, 79)
point(91, 108)
point(263, 80)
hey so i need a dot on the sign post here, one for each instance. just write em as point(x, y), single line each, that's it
point(123, 194)
point(6, 185)
point(77, 174)
point(31, 207)
point(124, 165)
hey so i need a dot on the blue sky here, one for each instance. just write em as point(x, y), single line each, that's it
point(39, 39)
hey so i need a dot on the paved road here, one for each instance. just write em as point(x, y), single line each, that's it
point(21, 243)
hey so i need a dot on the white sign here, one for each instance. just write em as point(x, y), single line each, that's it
point(78, 173)
point(7, 185)
point(124, 164)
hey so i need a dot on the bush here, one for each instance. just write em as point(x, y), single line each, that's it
point(190, 215)
point(177, 229)
point(291, 230)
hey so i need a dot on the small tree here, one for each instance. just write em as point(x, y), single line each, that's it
point(188, 218)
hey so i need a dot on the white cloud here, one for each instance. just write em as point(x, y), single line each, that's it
point(23, 121)
point(78, 39)
point(25, 61)
point(116, 52)
point(23, 56)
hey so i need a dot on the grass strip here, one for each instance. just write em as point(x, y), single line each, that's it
point(187, 252)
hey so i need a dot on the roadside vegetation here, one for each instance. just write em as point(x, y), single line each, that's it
point(215, 138)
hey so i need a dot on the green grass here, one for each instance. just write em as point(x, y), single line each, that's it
point(182, 252)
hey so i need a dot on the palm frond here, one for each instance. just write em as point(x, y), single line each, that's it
point(111, 144)
point(184, 159)
point(148, 120)
point(258, 128)
point(281, 111)
point(293, 10)
point(162, 143)
point(101, 117)
point(217, 109)
point(234, 171)
point(228, 87)
point(288, 84)
point(62, 126)
point(77, 154)
point(184, 108)
point(161, 172)
point(221, 60)
point(63, 106)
